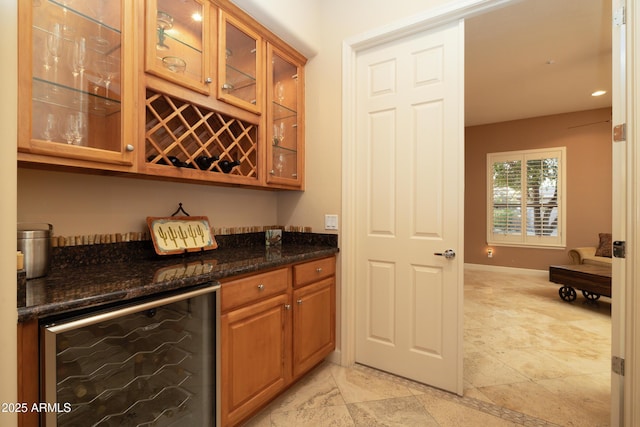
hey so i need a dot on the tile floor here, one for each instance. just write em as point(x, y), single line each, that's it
point(530, 359)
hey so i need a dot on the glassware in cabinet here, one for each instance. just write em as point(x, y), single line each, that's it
point(239, 64)
point(177, 43)
point(73, 92)
point(285, 89)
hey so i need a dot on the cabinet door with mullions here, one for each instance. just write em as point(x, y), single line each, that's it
point(285, 92)
point(72, 91)
point(239, 64)
point(177, 44)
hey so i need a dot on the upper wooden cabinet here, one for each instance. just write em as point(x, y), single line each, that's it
point(285, 118)
point(179, 44)
point(76, 89)
point(240, 64)
point(205, 93)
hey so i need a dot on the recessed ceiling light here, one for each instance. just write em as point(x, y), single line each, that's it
point(599, 93)
point(197, 17)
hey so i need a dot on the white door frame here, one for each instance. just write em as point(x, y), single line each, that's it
point(435, 17)
point(632, 272)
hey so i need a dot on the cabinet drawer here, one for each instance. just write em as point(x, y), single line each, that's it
point(313, 270)
point(252, 288)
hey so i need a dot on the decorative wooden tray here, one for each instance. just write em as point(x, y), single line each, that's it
point(179, 234)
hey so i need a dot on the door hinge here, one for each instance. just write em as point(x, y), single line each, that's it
point(617, 365)
point(620, 132)
point(619, 249)
point(619, 16)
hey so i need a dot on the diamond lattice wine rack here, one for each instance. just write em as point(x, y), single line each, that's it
point(189, 140)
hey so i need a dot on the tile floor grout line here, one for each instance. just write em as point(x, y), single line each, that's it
point(486, 407)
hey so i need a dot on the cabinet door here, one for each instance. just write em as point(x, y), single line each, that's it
point(178, 45)
point(255, 343)
point(76, 91)
point(240, 77)
point(285, 118)
point(314, 325)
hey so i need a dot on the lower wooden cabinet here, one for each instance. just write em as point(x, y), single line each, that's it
point(268, 341)
point(314, 324)
point(254, 347)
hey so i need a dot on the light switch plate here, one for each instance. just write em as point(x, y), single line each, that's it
point(331, 222)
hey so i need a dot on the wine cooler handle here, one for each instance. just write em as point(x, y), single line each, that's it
point(143, 306)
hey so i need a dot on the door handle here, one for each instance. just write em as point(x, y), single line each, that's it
point(448, 254)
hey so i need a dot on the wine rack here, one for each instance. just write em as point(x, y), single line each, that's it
point(184, 135)
point(133, 372)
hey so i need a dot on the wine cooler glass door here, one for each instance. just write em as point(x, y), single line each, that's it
point(153, 363)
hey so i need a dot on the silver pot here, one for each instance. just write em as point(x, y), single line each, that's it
point(34, 241)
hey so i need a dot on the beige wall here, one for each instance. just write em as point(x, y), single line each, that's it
point(78, 204)
point(588, 182)
point(8, 132)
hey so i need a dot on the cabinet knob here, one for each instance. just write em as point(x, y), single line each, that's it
point(299, 301)
point(272, 172)
point(287, 306)
point(129, 147)
point(260, 287)
point(208, 80)
point(319, 270)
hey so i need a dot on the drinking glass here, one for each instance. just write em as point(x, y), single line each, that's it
point(280, 92)
point(107, 68)
point(49, 127)
point(281, 134)
point(164, 22)
point(80, 127)
point(100, 43)
point(79, 63)
point(280, 164)
point(69, 128)
point(54, 46)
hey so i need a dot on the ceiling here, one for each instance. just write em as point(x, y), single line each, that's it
point(536, 58)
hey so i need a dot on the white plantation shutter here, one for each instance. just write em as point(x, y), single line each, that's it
point(507, 197)
point(525, 191)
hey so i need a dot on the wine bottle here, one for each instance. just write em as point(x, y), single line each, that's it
point(226, 166)
point(173, 159)
point(177, 162)
point(205, 162)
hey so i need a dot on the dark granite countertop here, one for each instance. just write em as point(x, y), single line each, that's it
point(80, 282)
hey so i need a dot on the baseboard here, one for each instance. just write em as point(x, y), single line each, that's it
point(501, 269)
point(335, 357)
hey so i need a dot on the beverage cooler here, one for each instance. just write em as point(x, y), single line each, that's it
point(152, 363)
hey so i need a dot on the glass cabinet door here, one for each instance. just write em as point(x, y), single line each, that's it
point(177, 42)
point(73, 94)
point(239, 64)
point(285, 122)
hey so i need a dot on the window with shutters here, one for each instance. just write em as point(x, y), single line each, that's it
point(526, 198)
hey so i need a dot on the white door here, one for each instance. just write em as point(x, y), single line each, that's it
point(409, 207)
